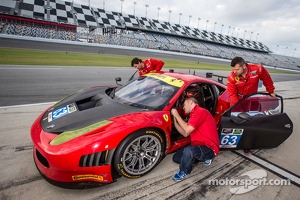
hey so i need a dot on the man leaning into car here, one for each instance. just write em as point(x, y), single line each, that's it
point(244, 78)
point(147, 66)
point(201, 127)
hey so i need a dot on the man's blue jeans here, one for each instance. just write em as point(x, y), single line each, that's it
point(190, 155)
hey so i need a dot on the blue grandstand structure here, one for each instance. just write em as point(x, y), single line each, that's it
point(57, 19)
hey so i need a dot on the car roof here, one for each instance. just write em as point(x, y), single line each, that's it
point(190, 78)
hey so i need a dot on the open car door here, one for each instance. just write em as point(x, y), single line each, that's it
point(255, 122)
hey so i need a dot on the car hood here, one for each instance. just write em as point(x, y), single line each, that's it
point(82, 109)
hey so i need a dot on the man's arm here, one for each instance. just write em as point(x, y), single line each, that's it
point(232, 91)
point(157, 64)
point(183, 128)
point(179, 129)
point(267, 80)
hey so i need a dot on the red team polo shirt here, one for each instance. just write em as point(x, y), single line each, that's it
point(151, 64)
point(205, 132)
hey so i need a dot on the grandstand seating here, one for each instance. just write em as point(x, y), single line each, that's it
point(127, 30)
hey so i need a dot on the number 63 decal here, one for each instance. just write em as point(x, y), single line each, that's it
point(230, 137)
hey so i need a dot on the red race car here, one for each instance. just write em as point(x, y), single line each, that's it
point(101, 133)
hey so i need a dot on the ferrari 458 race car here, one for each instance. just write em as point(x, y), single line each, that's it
point(101, 133)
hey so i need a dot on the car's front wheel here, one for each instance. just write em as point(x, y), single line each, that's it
point(139, 153)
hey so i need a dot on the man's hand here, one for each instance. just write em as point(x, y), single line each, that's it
point(182, 127)
point(174, 112)
point(273, 94)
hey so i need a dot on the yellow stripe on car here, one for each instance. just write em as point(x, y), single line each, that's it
point(69, 135)
point(167, 79)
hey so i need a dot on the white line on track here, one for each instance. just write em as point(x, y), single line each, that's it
point(27, 105)
point(28, 68)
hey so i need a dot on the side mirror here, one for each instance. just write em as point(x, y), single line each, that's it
point(220, 78)
point(209, 75)
point(118, 79)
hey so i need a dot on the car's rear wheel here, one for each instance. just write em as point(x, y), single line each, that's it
point(139, 153)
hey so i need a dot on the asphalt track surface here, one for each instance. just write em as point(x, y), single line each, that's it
point(39, 84)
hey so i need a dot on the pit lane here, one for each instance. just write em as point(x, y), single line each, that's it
point(21, 180)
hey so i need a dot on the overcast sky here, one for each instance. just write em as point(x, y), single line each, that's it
point(275, 23)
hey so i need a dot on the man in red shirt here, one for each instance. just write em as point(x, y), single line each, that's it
point(147, 66)
point(201, 127)
point(244, 78)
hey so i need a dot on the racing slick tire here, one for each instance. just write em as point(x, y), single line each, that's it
point(139, 153)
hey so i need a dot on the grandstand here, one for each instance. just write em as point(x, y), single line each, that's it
point(64, 20)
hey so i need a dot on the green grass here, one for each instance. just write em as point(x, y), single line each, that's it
point(35, 57)
point(10, 56)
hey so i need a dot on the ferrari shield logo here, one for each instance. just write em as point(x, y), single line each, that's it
point(166, 117)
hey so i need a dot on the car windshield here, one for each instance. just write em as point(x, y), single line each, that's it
point(147, 92)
